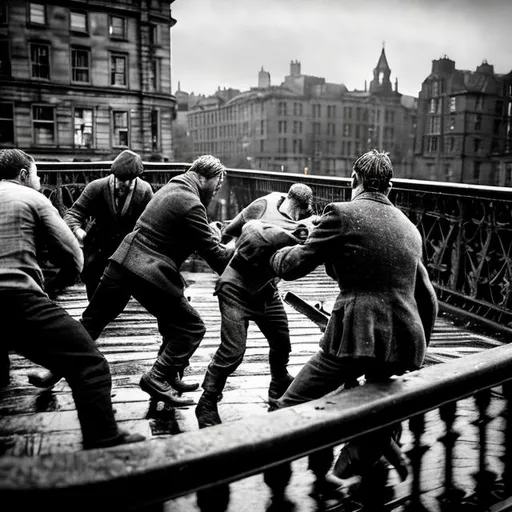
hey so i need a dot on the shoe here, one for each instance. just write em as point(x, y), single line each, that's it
point(45, 380)
point(162, 390)
point(183, 387)
point(124, 437)
point(207, 413)
point(278, 385)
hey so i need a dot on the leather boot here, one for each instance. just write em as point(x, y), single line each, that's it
point(207, 413)
point(156, 384)
point(46, 380)
point(278, 385)
point(180, 385)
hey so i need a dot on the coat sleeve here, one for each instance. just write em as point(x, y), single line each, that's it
point(426, 300)
point(83, 208)
point(294, 262)
point(204, 241)
point(62, 247)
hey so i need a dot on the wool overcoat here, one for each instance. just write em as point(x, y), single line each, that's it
point(173, 226)
point(386, 306)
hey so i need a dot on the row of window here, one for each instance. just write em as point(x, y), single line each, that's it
point(37, 15)
point(248, 111)
point(452, 144)
point(40, 65)
point(44, 126)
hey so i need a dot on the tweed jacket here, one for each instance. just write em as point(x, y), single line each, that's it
point(29, 224)
point(172, 227)
point(386, 306)
point(106, 225)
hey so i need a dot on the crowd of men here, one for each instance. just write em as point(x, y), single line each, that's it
point(127, 242)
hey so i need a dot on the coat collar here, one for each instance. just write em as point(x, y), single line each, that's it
point(374, 196)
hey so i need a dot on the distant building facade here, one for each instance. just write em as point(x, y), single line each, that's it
point(464, 131)
point(305, 125)
point(84, 80)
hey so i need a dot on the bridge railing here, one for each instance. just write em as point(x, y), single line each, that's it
point(142, 476)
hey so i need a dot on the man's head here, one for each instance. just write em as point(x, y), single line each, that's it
point(18, 165)
point(126, 167)
point(372, 172)
point(300, 201)
point(211, 175)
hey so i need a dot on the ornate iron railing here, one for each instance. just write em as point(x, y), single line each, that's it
point(467, 229)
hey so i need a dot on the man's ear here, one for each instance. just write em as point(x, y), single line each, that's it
point(23, 175)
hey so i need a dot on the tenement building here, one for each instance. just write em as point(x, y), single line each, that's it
point(305, 125)
point(84, 80)
point(464, 131)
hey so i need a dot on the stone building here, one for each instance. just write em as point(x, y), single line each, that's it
point(84, 80)
point(305, 125)
point(464, 131)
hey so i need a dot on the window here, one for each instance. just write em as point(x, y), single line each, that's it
point(281, 126)
point(281, 108)
point(331, 111)
point(450, 144)
point(330, 147)
point(120, 133)
point(346, 130)
point(435, 124)
point(80, 65)
point(433, 106)
point(452, 122)
point(78, 21)
point(432, 144)
point(83, 127)
point(297, 109)
point(282, 146)
point(477, 145)
point(155, 130)
point(117, 27)
point(262, 146)
point(297, 126)
point(40, 60)
point(118, 70)
point(478, 122)
point(479, 103)
point(316, 128)
point(5, 58)
point(156, 34)
point(435, 88)
point(331, 129)
point(317, 111)
point(297, 145)
point(43, 124)
point(453, 104)
point(37, 14)
point(476, 172)
point(6, 123)
point(262, 127)
point(154, 79)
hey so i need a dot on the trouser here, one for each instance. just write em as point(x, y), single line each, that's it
point(237, 307)
point(180, 325)
point(46, 334)
point(325, 373)
point(94, 267)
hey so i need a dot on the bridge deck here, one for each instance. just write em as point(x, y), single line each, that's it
point(34, 422)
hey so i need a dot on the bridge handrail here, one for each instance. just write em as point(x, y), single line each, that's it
point(134, 476)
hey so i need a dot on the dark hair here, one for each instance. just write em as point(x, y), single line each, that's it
point(301, 194)
point(375, 170)
point(207, 166)
point(12, 161)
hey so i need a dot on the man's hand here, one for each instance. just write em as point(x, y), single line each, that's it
point(80, 234)
point(215, 228)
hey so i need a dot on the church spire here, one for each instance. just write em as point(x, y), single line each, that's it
point(381, 82)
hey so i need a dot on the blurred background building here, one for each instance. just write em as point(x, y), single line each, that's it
point(84, 80)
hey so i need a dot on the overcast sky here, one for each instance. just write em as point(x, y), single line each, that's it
point(226, 42)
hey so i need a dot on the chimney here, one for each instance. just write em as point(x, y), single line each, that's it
point(263, 79)
point(295, 68)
